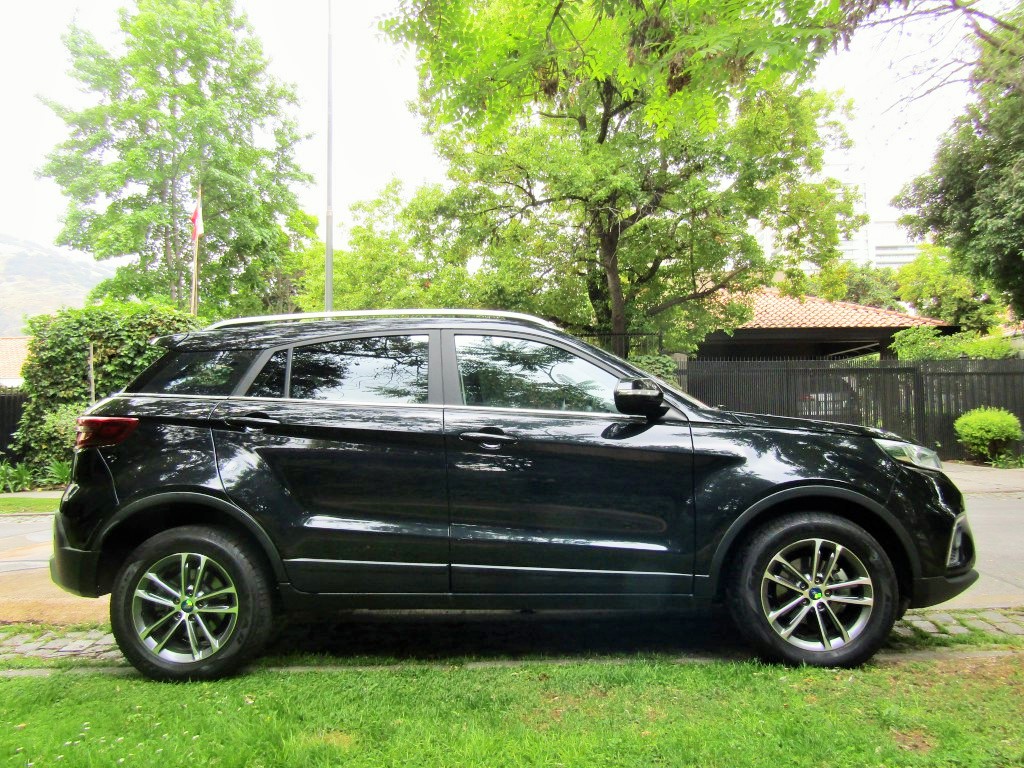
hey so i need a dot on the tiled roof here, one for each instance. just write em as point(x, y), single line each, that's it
point(772, 310)
point(13, 353)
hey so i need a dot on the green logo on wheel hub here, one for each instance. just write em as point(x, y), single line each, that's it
point(815, 593)
point(187, 605)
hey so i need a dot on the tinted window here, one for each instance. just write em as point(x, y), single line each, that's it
point(390, 369)
point(270, 381)
point(209, 372)
point(514, 373)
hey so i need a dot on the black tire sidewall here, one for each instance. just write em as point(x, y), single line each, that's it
point(254, 603)
point(745, 593)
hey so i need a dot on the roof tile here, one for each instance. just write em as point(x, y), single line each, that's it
point(773, 310)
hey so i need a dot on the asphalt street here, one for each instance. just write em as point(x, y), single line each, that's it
point(995, 504)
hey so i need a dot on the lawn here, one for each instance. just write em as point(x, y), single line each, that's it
point(27, 504)
point(637, 712)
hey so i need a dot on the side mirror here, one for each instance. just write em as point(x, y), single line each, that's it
point(639, 397)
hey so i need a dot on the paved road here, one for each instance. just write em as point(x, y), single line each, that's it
point(995, 504)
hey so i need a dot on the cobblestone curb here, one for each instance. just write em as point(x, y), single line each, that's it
point(97, 645)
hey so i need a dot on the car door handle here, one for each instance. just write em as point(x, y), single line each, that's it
point(492, 440)
point(251, 421)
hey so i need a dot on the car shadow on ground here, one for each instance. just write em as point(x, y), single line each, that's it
point(382, 637)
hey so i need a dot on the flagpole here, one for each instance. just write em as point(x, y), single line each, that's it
point(194, 304)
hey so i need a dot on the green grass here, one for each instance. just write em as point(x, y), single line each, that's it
point(641, 713)
point(10, 504)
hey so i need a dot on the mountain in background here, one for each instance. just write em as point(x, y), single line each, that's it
point(38, 279)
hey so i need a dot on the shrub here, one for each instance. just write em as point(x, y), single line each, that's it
point(55, 436)
point(57, 473)
point(924, 342)
point(57, 370)
point(987, 432)
point(16, 477)
point(662, 366)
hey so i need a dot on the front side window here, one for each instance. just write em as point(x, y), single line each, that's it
point(388, 369)
point(501, 372)
point(209, 372)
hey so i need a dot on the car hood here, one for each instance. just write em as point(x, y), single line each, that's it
point(812, 425)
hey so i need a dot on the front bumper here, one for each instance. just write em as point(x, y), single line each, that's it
point(73, 570)
point(938, 589)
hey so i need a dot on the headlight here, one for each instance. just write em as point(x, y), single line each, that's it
point(909, 453)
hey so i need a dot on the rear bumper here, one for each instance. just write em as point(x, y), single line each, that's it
point(939, 589)
point(73, 570)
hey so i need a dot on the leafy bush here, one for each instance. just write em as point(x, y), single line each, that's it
point(57, 370)
point(16, 477)
point(55, 436)
point(662, 366)
point(57, 473)
point(924, 342)
point(987, 432)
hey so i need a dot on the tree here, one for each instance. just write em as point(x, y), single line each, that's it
point(936, 288)
point(857, 283)
point(189, 101)
point(972, 199)
point(615, 152)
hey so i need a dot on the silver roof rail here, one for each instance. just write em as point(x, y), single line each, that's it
point(357, 313)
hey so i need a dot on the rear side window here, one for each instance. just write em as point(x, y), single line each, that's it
point(209, 372)
point(270, 381)
point(387, 369)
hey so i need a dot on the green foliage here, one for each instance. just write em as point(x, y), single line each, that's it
point(987, 432)
point(661, 366)
point(57, 370)
point(185, 100)
point(607, 158)
point(57, 473)
point(856, 283)
point(937, 288)
point(925, 342)
point(16, 477)
point(972, 199)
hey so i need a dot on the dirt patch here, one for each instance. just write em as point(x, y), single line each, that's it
point(914, 741)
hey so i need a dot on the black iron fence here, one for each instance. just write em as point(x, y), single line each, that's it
point(918, 400)
point(12, 400)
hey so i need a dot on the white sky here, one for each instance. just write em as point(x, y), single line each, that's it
point(376, 136)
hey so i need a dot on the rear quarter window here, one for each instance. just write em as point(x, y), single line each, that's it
point(207, 372)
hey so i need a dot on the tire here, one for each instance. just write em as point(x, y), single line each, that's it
point(838, 619)
point(191, 603)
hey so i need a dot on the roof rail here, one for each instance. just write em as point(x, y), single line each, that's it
point(357, 313)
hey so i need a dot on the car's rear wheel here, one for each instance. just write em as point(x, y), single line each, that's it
point(814, 588)
point(191, 603)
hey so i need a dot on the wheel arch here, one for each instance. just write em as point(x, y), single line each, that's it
point(146, 517)
point(850, 505)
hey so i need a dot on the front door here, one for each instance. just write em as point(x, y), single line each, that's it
point(552, 490)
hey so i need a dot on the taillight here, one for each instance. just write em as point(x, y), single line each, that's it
point(94, 431)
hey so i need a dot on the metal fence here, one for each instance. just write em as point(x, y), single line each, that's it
point(918, 400)
point(12, 400)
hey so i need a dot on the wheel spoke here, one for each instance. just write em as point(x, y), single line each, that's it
point(821, 628)
point(788, 631)
point(774, 615)
point(193, 641)
point(197, 582)
point(156, 580)
point(838, 624)
point(818, 543)
point(782, 582)
point(779, 560)
point(183, 577)
point(160, 646)
point(851, 600)
point(863, 581)
point(214, 643)
point(147, 631)
point(836, 554)
point(217, 593)
point(151, 598)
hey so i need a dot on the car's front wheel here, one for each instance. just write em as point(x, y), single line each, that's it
point(814, 588)
point(190, 603)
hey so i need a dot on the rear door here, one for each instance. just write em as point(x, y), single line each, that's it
point(340, 445)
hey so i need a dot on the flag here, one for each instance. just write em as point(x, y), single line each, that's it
point(197, 218)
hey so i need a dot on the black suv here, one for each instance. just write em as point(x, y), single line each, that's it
point(480, 460)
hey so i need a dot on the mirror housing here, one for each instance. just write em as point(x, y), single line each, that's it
point(640, 397)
